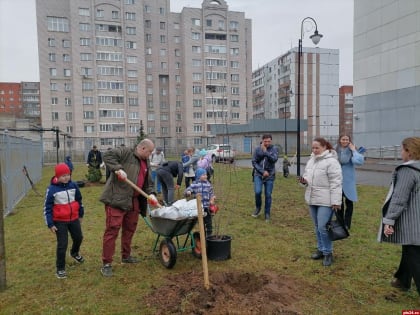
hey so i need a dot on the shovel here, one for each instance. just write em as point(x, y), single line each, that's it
point(139, 190)
point(26, 173)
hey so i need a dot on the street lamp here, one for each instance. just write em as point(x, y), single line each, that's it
point(316, 37)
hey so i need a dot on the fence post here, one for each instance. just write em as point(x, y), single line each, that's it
point(2, 243)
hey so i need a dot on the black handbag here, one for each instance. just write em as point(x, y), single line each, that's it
point(336, 228)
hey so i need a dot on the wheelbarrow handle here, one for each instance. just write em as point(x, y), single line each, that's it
point(139, 190)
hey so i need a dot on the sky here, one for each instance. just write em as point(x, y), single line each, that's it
point(276, 27)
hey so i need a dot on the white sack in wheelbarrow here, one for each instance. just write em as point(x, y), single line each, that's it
point(178, 210)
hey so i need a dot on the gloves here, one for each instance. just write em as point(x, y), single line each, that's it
point(152, 200)
point(213, 209)
point(122, 176)
point(102, 165)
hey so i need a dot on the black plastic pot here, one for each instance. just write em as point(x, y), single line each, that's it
point(218, 247)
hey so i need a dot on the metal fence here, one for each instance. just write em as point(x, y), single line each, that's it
point(15, 153)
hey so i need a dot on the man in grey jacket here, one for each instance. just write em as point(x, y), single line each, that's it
point(264, 173)
point(123, 203)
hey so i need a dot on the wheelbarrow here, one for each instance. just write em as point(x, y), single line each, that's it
point(170, 230)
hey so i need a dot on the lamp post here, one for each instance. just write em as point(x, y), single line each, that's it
point(315, 37)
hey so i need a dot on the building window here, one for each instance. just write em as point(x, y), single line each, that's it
point(53, 72)
point(132, 87)
point(129, 2)
point(54, 116)
point(131, 59)
point(196, 49)
point(163, 65)
point(89, 128)
point(162, 52)
point(195, 22)
point(67, 87)
point(162, 25)
point(84, 41)
point(197, 103)
point(66, 43)
point(234, 38)
point(209, 23)
point(196, 63)
point(131, 30)
point(148, 51)
point(130, 16)
point(88, 115)
point(115, 15)
point(196, 76)
point(58, 24)
point(162, 39)
point(132, 73)
point(235, 90)
point(99, 13)
point(234, 77)
point(147, 9)
point(177, 39)
point(87, 100)
point(69, 116)
point(149, 65)
point(67, 72)
point(85, 57)
point(147, 23)
point(84, 12)
point(84, 27)
point(66, 57)
point(130, 45)
point(162, 11)
point(234, 25)
point(234, 64)
point(234, 51)
point(176, 26)
point(198, 128)
point(51, 57)
point(51, 42)
point(195, 36)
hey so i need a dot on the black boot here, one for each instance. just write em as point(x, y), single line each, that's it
point(328, 259)
point(317, 255)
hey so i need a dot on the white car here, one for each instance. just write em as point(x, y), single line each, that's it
point(221, 152)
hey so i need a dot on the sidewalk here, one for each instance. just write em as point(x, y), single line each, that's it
point(371, 164)
point(379, 165)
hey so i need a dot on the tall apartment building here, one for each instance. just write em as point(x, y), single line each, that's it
point(31, 103)
point(386, 71)
point(274, 88)
point(346, 110)
point(106, 66)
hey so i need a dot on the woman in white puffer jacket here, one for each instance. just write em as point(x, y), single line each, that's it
point(323, 181)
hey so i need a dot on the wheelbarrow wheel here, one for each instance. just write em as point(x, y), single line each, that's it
point(196, 250)
point(168, 253)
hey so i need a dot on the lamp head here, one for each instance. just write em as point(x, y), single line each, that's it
point(316, 37)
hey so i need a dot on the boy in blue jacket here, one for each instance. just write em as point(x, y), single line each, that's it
point(63, 212)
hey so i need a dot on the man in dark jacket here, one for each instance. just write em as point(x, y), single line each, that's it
point(123, 203)
point(165, 174)
point(264, 173)
point(94, 158)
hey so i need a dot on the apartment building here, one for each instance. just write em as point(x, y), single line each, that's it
point(31, 103)
point(274, 91)
point(346, 110)
point(106, 67)
point(10, 98)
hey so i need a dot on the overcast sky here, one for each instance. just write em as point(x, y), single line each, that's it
point(276, 28)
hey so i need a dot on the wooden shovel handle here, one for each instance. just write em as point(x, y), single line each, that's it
point(139, 190)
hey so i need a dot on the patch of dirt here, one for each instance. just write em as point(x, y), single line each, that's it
point(229, 293)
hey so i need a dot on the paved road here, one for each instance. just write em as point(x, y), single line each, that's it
point(374, 173)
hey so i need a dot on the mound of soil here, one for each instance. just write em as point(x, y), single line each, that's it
point(229, 293)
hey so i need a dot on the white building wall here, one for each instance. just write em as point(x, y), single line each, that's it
point(386, 71)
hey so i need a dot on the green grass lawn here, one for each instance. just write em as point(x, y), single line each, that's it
point(356, 283)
